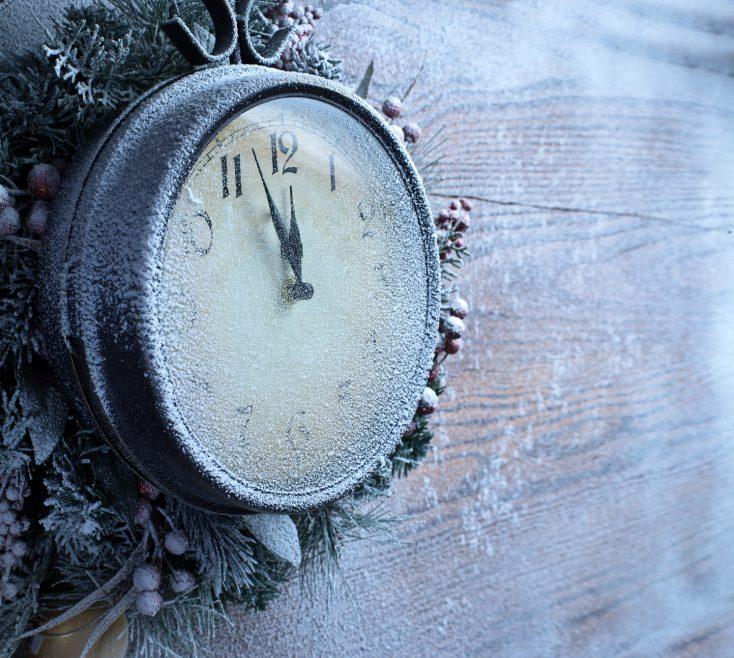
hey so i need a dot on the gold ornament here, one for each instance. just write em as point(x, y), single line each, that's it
point(67, 640)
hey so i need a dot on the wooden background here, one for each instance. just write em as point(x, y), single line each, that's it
point(580, 498)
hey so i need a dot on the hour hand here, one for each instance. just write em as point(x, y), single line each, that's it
point(294, 241)
point(301, 289)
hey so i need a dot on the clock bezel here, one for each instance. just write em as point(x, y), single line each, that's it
point(236, 89)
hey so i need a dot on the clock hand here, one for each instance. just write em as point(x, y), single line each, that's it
point(298, 290)
point(294, 241)
point(275, 215)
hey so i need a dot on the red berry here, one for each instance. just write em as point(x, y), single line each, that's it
point(434, 374)
point(148, 490)
point(392, 107)
point(453, 204)
point(443, 255)
point(317, 12)
point(44, 181)
point(145, 510)
point(6, 201)
point(428, 402)
point(466, 204)
point(412, 132)
point(398, 131)
point(146, 578)
point(409, 430)
point(176, 542)
point(182, 581)
point(459, 308)
point(37, 218)
point(453, 327)
point(148, 603)
point(453, 346)
point(458, 243)
point(464, 223)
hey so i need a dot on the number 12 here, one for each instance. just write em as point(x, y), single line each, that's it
point(279, 144)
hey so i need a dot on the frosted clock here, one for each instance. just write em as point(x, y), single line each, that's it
point(243, 289)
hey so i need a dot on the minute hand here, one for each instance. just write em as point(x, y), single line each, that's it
point(280, 229)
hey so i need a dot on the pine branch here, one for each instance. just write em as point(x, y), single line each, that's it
point(222, 545)
point(96, 596)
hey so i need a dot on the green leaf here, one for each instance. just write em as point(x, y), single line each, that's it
point(278, 534)
point(46, 411)
point(363, 88)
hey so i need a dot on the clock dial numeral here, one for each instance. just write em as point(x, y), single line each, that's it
point(382, 274)
point(237, 176)
point(298, 431)
point(198, 233)
point(244, 413)
point(190, 309)
point(202, 384)
point(287, 144)
point(344, 391)
point(274, 152)
point(332, 172)
point(225, 183)
point(367, 211)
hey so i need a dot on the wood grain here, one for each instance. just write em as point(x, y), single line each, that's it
point(580, 497)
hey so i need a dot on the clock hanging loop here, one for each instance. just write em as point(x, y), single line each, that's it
point(233, 40)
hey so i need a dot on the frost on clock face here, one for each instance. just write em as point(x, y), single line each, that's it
point(290, 397)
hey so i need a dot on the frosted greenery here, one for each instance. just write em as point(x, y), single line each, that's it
point(84, 539)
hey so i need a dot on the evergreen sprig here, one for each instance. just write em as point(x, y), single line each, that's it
point(87, 536)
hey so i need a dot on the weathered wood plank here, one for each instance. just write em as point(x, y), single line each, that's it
point(580, 500)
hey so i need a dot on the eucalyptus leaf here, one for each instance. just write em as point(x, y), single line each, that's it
point(46, 412)
point(278, 534)
point(363, 88)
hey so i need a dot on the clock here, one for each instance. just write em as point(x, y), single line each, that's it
point(240, 288)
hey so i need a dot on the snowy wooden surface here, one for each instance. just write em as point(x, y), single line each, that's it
point(580, 501)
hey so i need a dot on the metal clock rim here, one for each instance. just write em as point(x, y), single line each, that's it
point(387, 140)
point(294, 85)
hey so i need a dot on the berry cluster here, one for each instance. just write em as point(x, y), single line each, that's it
point(147, 577)
point(42, 185)
point(393, 109)
point(12, 525)
point(302, 18)
point(452, 222)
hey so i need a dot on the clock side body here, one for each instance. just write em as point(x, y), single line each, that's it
point(101, 262)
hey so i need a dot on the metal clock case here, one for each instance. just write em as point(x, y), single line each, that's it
point(102, 267)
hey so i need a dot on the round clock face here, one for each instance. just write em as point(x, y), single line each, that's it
point(292, 299)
